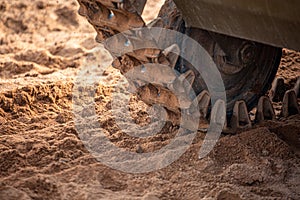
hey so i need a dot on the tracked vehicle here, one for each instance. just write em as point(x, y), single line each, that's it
point(243, 37)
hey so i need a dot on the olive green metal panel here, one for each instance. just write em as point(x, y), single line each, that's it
point(274, 22)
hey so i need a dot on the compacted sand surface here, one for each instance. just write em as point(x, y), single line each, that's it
point(43, 45)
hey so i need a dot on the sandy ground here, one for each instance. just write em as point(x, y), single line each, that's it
point(43, 44)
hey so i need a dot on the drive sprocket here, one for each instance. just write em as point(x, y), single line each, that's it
point(247, 67)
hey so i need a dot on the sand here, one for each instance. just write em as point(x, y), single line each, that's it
point(43, 45)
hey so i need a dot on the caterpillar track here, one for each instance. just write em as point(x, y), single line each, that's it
point(247, 67)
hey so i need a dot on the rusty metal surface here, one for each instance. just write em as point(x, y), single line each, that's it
point(273, 22)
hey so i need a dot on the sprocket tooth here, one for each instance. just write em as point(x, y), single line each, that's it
point(217, 124)
point(265, 110)
point(108, 17)
point(240, 118)
point(278, 89)
point(185, 82)
point(159, 95)
point(218, 115)
point(198, 110)
point(172, 54)
point(290, 105)
point(297, 87)
point(201, 104)
point(152, 73)
point(126, 44)
point(144, 55)
point(116, 45)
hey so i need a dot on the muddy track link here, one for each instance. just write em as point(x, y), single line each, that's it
point(247, 68)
